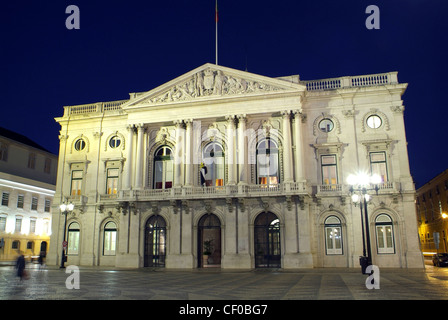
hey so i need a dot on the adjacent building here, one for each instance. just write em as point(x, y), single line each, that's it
point(225, 168)
point(432, 214)
point(27, 187)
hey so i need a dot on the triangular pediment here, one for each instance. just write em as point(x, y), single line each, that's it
point(212, 82)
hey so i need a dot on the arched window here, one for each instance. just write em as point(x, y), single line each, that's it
point(213, 158)
point(73, 238)
point(163, 168)
point(384, 234)
point(333, 235)
point(110, 239)
point(267, 162)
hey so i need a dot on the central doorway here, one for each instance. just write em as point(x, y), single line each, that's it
point(155, 242)
point(209, 241)
point(267, 241)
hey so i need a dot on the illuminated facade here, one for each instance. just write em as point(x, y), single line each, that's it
point(432, 211)
point(226, 168)
point(27, 186)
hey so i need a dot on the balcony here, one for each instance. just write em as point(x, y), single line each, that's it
point(239, 191)
point(343, 189)
point(185, 193)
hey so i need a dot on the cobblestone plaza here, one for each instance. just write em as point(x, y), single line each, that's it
point(208, 284)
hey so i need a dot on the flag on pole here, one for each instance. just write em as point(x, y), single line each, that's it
point(216, 32)
point(203, 173)
point(216, 11)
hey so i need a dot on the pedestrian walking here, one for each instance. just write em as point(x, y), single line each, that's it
point(20, 266)
point(41, 260)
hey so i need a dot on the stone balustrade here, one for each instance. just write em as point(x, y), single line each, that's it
point(352, 81)
point(311, 85)
point(238, 191)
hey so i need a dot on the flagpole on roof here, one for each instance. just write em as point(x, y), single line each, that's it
point(216, 32)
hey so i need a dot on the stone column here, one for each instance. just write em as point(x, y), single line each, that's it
point(188, 158)
point(128, 170)
point(139, 164)
point(298, 139)
point(287, 154)
point(178, 155)
point(242, 149)
point(231, 150)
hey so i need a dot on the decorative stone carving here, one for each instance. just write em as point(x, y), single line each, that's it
point(397, 109)
point(289, 201)
point(208, 206)
point(229, 202)
point(210, 83)
point(162, 135)
point(242, 204)
point(185, 206)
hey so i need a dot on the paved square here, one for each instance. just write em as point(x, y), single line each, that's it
point(216, 284)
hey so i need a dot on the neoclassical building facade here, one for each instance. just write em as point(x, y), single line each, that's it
point(225, 168)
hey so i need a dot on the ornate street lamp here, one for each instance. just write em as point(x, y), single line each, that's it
point(65, 209)
point(360, 184)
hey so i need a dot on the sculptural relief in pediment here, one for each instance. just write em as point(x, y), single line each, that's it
point(208, 83)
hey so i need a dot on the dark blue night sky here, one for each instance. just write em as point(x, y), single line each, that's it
point(134, 46)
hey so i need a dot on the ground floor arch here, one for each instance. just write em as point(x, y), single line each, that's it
point(209, 241)
point(155, 242)
point(267, 241)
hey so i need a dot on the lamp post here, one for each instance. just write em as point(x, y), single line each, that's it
point(359, 185)
point(65, 209)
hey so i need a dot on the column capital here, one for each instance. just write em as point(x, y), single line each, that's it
point(230, 117)
point(242, 118)
point(286, 114)
point(178, 123)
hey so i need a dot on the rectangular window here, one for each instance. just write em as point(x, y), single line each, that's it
point(46, 227)
point(32, 160)
point(47, 205)
point(378, 165)
point(164, 174)
point(34, 201)
point(329, 170)
point(110, 241)
point(15, 245)
point(2, 224)
point(267, 165)
point(20, 199)
point(385, 239)
point(333, 237)
point(47, 165)
point(18, 226)
point(73, 242)
point(76, 182)
point(112, 181)
point(32, 225)
point(5, 199)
